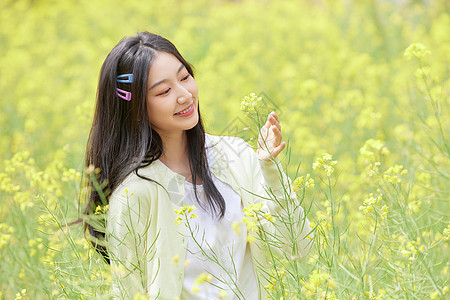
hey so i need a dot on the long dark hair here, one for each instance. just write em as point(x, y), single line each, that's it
point(121, 140)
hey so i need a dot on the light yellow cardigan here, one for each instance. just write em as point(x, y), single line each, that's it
point(148, 249)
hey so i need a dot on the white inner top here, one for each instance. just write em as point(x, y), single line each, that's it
point(232, 273)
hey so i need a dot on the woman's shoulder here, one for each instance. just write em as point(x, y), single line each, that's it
point(227, 143)
point(137, 184)
point(230, 151)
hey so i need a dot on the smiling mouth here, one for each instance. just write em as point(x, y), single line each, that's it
point(186, 111)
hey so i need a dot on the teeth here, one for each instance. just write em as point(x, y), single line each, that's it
point(184, 111)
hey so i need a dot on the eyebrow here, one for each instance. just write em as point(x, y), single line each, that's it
point(164, 80)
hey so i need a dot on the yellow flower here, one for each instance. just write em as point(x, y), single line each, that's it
point(20, 294)
point(302, 182)
point(176, 258)
point(269, 217)
point(326, 163)
point(203, 277)
point(445, 290)
point(369, 203)
point(250, 224)
point(393, 174)
point(384, 211)
point(101, 209)
point(250, 238)
point(372, 148)
point(252, 209)
point(139, 296)
point(222, 294)
point(249, 103)
point(270, 287)
point(236, 228)
point(416, 50)
point(178, 220)
point(182, 213)
point(434, 295)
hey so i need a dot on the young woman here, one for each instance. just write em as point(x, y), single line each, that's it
point(148, 141)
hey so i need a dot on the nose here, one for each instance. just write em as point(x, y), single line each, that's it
point(184, 95)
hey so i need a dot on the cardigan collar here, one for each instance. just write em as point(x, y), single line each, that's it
point(173, 182)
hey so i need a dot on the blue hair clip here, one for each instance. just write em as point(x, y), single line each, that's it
point(129, 78)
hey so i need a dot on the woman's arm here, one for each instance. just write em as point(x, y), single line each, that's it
point(130, 250)
point(291, 225)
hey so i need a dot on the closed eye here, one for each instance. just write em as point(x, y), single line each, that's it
point(186, 77)
point(163, 93)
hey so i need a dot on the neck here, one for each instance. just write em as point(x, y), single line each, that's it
point(175, 155)
point(174, 149)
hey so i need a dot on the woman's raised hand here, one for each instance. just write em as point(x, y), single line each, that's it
point(269, 140)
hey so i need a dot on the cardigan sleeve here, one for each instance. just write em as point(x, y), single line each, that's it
point(290, 233)
point(129, 247)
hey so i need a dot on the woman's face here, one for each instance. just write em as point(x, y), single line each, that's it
point(172, 96)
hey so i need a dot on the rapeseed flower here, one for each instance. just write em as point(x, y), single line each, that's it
point(5, 234)
point(236, 227)
point(202, 278)
point(303, 182)
point(416, 50)
point(101, 209)
point(393, 174)
point(139, 296)
point(326, 163)
point(250, 102)
point(373, 149)
point(20, 294)
point(183, 212)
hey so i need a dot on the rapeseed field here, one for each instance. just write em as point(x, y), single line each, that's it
point(362, 92)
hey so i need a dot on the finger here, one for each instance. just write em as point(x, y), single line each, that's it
point(268, 139)
point(278, 149)
point(277, 134)
point(274, 120)
point(274, 114)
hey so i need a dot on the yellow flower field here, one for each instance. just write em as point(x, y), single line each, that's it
point(361, 89)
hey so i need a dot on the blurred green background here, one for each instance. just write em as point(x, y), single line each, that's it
point(322, 60)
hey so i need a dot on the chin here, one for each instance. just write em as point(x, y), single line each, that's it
point(195, 122)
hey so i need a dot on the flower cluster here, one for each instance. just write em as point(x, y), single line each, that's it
point(139, 296)
point(250, 102)
point(202, 278)
point(326, 163)
point(416, 50)
point(373, 168)
point(370, 202)
point(393, 174)
point(373, 149)
point(100, 210)
point(21, 294)
point(5, 234)
point(251, 217)
point(275, 278)
point(410, 249)
point(182, 213)
point(302, 183)
point(319, 286)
